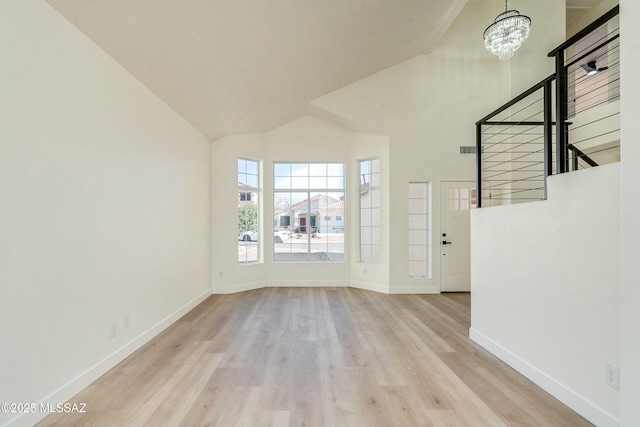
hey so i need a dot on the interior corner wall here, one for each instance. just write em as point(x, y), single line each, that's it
point(630, 159)
point(105, 200)
point(427, 106)
point(228, 275)
point(589, 16)
point(545, 292)
point(530, 63)
point(370, 276)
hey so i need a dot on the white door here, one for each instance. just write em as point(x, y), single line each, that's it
point(456, 200)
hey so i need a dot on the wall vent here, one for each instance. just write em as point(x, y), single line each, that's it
point(468, 150)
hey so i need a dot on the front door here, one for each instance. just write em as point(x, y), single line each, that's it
point(456, 200)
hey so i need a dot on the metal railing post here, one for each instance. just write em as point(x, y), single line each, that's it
point(548, 134)
point(561, 113)
point(479, 164)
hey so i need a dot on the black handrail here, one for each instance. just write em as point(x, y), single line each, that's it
point(580, 154)
point(515, 100)
point(586, 30)
point(595, 49)
point(561, 97)
point(562, 109)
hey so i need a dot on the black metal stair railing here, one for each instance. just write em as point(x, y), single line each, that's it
point(566, 122)
point(511, 143)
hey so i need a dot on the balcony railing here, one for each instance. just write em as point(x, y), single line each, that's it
point(568, 121)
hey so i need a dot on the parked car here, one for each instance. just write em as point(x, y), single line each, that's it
point(279, 235)
point(249, 236)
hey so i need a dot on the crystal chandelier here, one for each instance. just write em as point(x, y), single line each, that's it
point(507, 33)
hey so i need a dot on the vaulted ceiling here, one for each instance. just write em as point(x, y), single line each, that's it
point(241, 66)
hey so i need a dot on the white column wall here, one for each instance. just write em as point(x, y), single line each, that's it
point(545, 288)
point(630, 137)
point(104, 210)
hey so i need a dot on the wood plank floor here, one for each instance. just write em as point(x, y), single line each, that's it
point(317, 357)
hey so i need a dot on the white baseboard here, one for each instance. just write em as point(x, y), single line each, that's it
point(225, 290)
point(422, 289)
point(370, 287)
point(222, 290)
point(307, 283)
point(573, 400)
point(80, 382)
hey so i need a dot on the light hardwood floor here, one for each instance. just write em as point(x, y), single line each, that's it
point(317, 357)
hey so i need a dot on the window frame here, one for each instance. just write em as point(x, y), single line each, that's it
point(369, 247)
point(243, 189)
point(417, 245)
point(313, 220)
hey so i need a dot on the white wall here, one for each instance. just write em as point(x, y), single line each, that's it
point(589, 16)
point(105, 202)
point(306, 139)
point(372, 276)
point(512, 340)
point(427, 106)
point(423, 108)
point(630, 130)
point(227, 275)
point(530, 64)
point(546, 288)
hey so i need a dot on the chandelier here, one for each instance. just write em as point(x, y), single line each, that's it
point(507, 33)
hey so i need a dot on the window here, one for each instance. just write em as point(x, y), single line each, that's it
point(370, 211)
point(248, 211)
point(419, 229)
point(462, 199)
point(308, 198)
point(285, 221)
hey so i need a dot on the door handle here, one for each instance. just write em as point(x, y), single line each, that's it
point(444, 242)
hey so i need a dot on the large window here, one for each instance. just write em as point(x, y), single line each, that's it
point(370, 211)
point(248, 211)
point(308, 210)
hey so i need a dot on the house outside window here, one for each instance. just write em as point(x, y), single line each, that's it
point(307, 199)
point(285, 221)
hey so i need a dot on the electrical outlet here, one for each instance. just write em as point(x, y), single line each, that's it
point(364, 271)
point(114, 329)
point(220, 275)
point(612, 376)
point(126, 321)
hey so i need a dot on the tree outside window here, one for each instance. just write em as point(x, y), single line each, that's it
point(248, 211)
